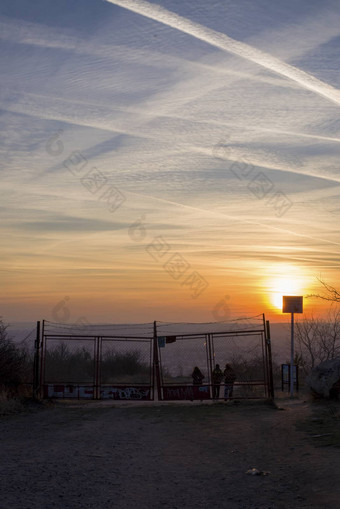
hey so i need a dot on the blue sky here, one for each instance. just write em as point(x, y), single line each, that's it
point(159, 158)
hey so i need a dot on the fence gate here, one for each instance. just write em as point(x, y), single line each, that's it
point(246, 348)
point(137, 362)
point(77, 364)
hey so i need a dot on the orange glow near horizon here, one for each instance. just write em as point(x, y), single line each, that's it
point(284, 286)
point(291, 281)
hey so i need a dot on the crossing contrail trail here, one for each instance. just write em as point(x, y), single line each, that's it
point(222, 41)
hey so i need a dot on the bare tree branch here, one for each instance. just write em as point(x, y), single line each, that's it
point(318, 340)
point(331, 295)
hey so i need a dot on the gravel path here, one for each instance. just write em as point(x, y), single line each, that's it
point(164, 456)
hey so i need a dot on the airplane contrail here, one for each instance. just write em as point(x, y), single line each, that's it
point(226, 43)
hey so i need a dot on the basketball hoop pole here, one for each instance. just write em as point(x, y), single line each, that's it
point(292, 304)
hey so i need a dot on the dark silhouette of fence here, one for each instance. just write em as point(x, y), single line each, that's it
point(154, 360)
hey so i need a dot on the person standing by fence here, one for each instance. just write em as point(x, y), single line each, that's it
point(229, 379)
point(217, 377)
point(197, 376)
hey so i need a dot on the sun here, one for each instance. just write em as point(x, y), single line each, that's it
point(284, 286)
point(291, 282)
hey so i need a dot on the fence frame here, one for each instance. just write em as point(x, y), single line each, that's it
point(96, 388)
point(156, 387)
point(173, 391)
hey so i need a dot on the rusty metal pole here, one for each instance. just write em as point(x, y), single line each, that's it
point(292, 355)
point(156, 360)
point(264, 345)
point(36, 363)
point(270, 360)
point(97, 374)
point(42, 360)
point(210, 363)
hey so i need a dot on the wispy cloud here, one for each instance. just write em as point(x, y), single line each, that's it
point(199, 132)
point(226, 43)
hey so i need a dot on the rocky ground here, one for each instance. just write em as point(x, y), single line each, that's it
point(185, 456)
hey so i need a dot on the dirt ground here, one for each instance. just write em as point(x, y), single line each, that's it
point(185, 456)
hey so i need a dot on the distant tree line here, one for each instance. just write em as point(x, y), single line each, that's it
point(64, 364)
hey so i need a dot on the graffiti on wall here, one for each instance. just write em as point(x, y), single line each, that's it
point(130, 393)
point(68, 391)
point(82, 391)
point(190, 392)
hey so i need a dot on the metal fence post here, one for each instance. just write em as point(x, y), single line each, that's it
point(156, 361)
point(36, 384)
point(270, 360)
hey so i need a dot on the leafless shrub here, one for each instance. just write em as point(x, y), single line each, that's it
point(318, 339)
point(13, 362)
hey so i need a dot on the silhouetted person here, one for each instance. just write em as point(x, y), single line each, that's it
point(197, 376)
point(217, 377)
point(229, 379)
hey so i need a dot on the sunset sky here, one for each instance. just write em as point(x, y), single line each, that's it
point(172, 160)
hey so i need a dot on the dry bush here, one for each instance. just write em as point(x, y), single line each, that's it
point(318, 340)
point(8, 404)
point(14, 363)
